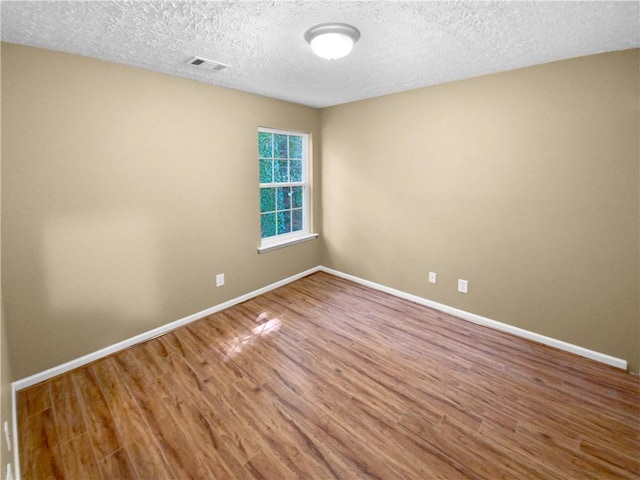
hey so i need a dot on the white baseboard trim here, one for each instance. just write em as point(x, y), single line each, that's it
point(487, 322)
point(471, 317)
point(143, 337)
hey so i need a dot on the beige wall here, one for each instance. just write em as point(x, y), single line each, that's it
point(525, 183)
point(124, 192)
point(6, 406)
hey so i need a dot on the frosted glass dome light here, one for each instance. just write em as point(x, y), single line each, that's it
point(332, 40)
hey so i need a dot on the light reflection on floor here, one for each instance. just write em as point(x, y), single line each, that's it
point(265, 327)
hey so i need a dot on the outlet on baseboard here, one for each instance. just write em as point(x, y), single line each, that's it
point(219, 279)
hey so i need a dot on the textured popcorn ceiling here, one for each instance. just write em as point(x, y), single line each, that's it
point(404, 45)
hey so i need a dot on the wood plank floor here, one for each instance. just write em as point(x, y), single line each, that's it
point(325, 379)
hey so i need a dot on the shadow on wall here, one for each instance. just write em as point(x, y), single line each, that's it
point(102, 261)
point(95, 279)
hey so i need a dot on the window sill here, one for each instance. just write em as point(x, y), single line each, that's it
point(270, 245)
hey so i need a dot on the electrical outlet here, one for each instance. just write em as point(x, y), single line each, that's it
point(7, 434)
point(433, 277)
point(220, 280)
point(463, 286)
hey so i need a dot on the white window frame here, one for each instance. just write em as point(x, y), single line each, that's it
point(283, 240)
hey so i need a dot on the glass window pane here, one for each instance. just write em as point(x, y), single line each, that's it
point(281, 161)
point(296, 195)
point(281, 150)
point(296, 219)
point(265, 144)
point(296, 170)
point(267, 199)
point(266, 171)
point(281, 173)
point(284, 222)
point(267, 225)
point(284, 198)
point(295, 146)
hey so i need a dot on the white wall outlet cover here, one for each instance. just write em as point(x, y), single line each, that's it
point(433, 276)
point(463, 286)
point(219, 279)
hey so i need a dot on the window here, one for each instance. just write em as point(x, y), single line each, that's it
point(284, 188)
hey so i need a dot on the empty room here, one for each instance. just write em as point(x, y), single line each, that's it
point(320, 239)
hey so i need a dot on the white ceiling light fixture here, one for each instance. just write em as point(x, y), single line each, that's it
point(332, 40)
